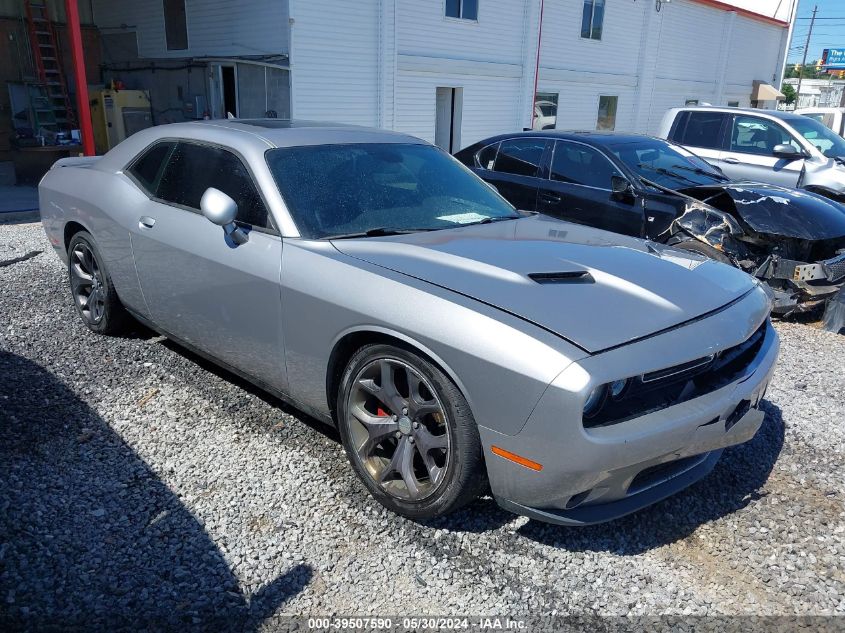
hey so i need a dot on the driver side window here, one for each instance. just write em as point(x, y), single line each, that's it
point(754, 135)
point(194, 167)
point(581, 165)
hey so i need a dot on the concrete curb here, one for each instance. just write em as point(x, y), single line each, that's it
point(13, 217)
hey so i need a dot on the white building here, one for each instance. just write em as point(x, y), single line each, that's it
point(450, 71)
point(819, 93)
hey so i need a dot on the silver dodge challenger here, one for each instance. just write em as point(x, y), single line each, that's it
point(459, 346)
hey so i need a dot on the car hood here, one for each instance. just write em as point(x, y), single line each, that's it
point(773, 210)
point(596, 289)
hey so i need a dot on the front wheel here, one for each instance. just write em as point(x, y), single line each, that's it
point(409, 433)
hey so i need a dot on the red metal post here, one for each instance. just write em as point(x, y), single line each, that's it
point(77, 54)
point(537, 66)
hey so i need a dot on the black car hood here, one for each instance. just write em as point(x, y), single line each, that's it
point(773, 210)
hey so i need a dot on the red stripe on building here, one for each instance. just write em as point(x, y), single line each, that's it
point(745, 12)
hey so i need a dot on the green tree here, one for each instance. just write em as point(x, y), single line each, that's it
point(789, 94)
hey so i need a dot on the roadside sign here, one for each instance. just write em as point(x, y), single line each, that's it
point(834, 58)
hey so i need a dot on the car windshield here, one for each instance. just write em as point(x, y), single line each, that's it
point(668, 165)
point(355, 189)
point(826, 140)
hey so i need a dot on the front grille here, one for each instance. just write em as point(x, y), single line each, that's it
point(656, 475)
point(667, 387)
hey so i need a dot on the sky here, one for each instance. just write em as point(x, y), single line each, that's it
point(828, 32)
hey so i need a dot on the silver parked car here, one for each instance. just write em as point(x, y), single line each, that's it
point(374, 282)
point(781, 148)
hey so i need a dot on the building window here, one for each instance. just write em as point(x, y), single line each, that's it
point(463, 9)
point(545, 111)
point(607, 113)
point(592, 19)
point(175, 25)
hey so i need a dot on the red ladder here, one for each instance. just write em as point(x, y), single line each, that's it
point(48, 66)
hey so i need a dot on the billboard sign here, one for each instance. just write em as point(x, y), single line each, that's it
point(834, 58)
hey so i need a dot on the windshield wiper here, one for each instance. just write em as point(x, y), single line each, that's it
point(500, 218)
point(380, 231)
point(701, 172)
point(665, 172)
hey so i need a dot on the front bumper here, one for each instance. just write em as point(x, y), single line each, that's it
point(802, 287)
point(599, 474)
point(603, 512)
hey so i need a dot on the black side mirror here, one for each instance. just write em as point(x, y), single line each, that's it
point(621, 187)
point(787, 152)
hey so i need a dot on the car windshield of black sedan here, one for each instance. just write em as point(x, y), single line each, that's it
point(667, 165)
point(380, 188)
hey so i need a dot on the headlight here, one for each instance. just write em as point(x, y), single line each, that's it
point(618, 388)
point(595, 401)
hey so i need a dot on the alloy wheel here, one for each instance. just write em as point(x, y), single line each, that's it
point(87, 283)
point(399, 429)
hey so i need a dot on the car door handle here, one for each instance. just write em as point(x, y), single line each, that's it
point(146, 222)
point(731, 161)
point(550, 198)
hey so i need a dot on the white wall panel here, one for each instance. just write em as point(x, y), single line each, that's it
point(215, 27)
point(616, 52)
point(490, 104)
point(496, 36)
point(335, 61)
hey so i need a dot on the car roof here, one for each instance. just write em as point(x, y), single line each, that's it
point(824, 110)
point(590, 137)
point(295, 133)
point(777, 114)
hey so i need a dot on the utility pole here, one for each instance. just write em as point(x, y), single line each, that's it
point(804, 60)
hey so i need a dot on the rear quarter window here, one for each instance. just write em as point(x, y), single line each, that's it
point(520, 156)
point(149, 166)
point(699, 129)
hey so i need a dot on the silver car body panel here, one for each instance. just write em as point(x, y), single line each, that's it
point(525, 353)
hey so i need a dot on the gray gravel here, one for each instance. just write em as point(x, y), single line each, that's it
point(140, 484)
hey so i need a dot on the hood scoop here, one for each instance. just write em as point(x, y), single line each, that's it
point(564, 277)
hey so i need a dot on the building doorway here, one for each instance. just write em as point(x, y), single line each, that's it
point(223, 90)
point(447, 124)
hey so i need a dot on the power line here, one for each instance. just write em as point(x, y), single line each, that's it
point(806, 46)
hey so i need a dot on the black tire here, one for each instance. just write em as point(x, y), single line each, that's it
point(111, 318)
point(694, 246)
point(463, 477)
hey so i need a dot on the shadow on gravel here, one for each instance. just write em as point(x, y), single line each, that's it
point(211, 367)
point(734, 483)
point(91, 539)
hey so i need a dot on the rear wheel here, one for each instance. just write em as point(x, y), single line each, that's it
point(93, 293)
point(694, 246)
point(409, 433)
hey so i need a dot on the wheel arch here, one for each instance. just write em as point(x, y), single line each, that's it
point(350, 341)
point(71, 228)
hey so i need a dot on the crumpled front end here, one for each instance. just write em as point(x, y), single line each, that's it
point(802, 274)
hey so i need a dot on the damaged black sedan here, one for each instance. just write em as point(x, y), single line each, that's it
point(647, 187)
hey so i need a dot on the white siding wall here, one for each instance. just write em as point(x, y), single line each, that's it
point(496, 36)
point(379, 62)
point(490, 104)
point(215, 27)
point(335, 61)
point(615, 54)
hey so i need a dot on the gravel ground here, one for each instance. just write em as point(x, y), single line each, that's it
point(139, 482)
